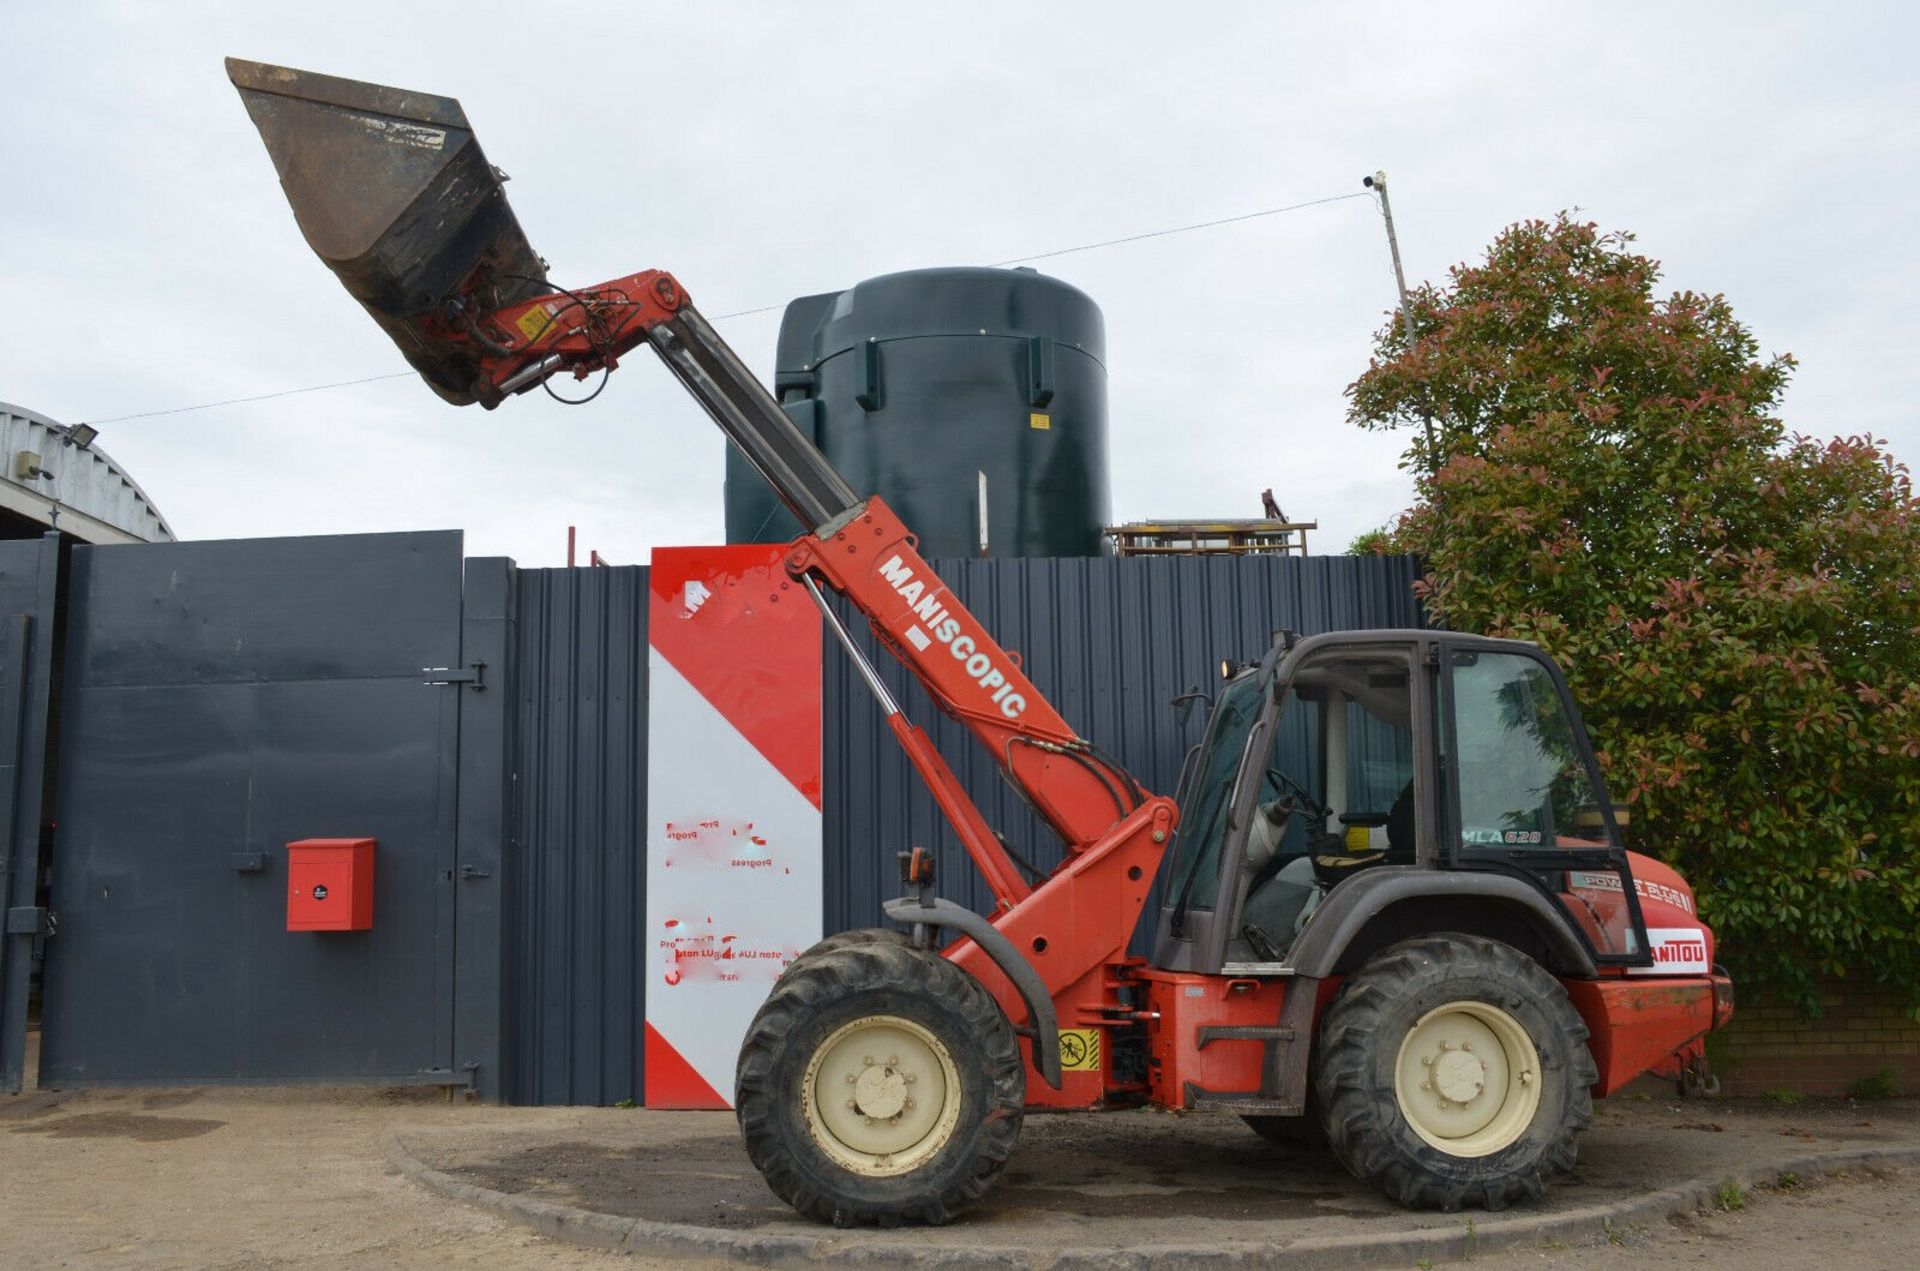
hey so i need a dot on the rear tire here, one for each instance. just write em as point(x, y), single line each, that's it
point(1453, 1070)
point(879, 1084)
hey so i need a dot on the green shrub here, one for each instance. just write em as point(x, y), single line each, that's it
point(1737, 608)
point(1872, 1088)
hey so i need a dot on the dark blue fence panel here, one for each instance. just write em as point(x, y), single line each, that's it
point(218, 701)
point(576, 868)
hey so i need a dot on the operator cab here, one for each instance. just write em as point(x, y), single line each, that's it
point(1330, 760)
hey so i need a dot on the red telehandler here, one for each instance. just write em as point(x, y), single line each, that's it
point(1397, 910)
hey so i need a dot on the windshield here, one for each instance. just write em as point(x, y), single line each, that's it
point(1203, 801)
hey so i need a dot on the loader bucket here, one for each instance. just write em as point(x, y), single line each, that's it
point(392, 191)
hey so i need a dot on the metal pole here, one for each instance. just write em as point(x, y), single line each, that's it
point(888, 706)
point(983, 515)
point(1378, 184)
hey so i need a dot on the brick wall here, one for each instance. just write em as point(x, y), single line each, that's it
point(1864, 1030)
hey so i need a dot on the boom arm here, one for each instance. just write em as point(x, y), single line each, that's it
point(857, 547)
point(392, 191)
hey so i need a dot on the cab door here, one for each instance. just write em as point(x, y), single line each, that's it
point(1523, 794)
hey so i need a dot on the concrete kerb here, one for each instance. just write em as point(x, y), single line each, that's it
point(1476, 1233)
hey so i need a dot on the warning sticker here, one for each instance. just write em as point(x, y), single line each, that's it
point(1040, 420)
point(536, 321)
point(1080, 1049)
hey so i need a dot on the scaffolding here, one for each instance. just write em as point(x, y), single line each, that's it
point(1211, 538)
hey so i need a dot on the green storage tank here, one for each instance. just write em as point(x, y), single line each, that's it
point(927, 385)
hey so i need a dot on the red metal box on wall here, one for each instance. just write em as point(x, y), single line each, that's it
point(330, 885)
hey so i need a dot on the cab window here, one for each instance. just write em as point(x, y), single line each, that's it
point(1523, 780)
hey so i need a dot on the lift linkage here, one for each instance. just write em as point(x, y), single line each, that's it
point(857, 547)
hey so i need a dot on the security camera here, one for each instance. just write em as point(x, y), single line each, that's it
point(1367, 181)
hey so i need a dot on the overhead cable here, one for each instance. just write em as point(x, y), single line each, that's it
point(744, 313)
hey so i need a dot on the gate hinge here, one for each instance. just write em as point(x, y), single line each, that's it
point(474, 871)
point(29, 920)
point(466, 1076)
point(474, 676)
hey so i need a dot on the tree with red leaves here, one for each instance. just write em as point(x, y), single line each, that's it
point(1737, 607)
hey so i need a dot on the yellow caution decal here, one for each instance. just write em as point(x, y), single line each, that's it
point(537, 321)
point(1080, 1049)
point(1040, 420)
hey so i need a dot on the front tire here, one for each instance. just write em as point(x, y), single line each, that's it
point(847, 940)
point(879, 1084)
point(1453, 1070)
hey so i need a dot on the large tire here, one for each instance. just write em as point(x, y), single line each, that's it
point(1410, 1107)
point(879, 1084)
point(848, 939)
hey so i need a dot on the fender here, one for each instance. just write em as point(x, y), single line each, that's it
point(909, 911)
point(1350, 906)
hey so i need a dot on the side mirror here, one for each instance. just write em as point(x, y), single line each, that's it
point(1183, 704)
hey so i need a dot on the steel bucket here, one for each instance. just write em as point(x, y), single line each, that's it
point(392, 191)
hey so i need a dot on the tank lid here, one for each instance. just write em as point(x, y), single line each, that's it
point(960, 300)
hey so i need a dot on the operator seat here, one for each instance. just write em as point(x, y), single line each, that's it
point(1335, 861)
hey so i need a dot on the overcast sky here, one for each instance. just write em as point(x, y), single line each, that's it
point(764, 151)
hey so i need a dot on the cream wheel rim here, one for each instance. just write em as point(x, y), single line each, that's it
point(882, 1095)
point(1468, 1078)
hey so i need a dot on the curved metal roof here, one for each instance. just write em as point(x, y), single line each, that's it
point(46, 478)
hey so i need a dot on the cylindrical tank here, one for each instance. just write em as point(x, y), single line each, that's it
point(927, 386)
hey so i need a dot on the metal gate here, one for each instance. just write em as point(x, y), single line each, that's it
point(29, 582)
point(219, 700)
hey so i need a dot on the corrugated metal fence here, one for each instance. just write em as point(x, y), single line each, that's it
point(576, 875)
point(1111, 642)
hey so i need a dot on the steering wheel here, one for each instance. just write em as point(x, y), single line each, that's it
point(1315, 810)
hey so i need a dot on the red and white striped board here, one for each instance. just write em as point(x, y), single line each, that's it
point(733, 806)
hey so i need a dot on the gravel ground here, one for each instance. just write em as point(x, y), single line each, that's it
point(1867, 1218)
point(238, 1177)
point(235, 1178)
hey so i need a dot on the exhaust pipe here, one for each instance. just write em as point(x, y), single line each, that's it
point(394, 194)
